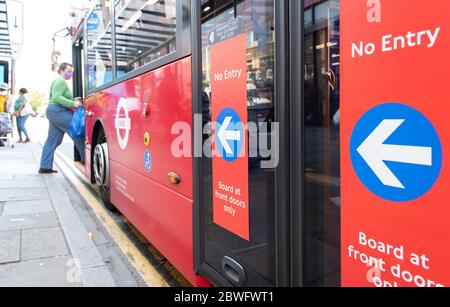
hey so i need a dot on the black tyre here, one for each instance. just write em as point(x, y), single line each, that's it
point(101, 170)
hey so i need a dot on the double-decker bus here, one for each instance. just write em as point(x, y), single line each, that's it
point(164, 80)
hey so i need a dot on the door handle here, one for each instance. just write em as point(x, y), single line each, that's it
point(145, 109)
point(89, 114)
point(234, 272)
point(174, 178)
point(331, 78)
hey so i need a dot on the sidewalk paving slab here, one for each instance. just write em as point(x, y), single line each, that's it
point(18, 194)
point(24, 160)
point(27, 207)
point(10, 246)
point(5, 177)
point(18, 168)
point(31, 176)
point(83, 249)
point(43, 243)
point(26, 183)
point(51, 272)
point(97, 276)
point(28, 221)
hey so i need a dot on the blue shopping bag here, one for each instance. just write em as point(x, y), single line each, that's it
point(78, 124)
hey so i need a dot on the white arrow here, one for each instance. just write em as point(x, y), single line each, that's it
point(376, 153)
point(225, 135)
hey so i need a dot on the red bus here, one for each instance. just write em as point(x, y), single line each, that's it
point(149, 68)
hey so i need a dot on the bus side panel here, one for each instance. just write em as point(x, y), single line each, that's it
point(163, 216)
point(160, 210)
point(168, 94)
point(165, 93)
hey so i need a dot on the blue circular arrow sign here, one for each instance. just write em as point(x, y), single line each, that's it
point(396, 152)
point(229, 135)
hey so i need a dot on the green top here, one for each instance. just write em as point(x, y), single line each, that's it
point(20, 102)
point(61, 94)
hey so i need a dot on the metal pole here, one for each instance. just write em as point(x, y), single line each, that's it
point(13, 76)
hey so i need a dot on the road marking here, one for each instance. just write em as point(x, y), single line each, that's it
point(145, 269)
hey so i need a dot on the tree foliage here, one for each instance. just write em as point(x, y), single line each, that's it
point(36, 99)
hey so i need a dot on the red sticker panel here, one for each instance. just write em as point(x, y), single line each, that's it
point(395, 65)
point(229, 113)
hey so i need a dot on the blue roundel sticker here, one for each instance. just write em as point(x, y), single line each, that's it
point(147, 161)
point(396, 152)
point(229, 135)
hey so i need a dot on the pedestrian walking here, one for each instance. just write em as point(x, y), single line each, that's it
point(22, 111)
point(60, 113)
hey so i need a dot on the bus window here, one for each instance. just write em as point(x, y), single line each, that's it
point(145, 32)
point(99, 46)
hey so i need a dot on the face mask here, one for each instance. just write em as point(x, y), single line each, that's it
point(68, 75)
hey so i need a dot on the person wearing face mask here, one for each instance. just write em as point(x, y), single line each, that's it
point(59, 113)
point(3, 98)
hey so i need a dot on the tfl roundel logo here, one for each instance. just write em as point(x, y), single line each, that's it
point(122, 123)
point(396, 152)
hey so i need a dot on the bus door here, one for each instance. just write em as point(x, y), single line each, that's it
point(315, 142)
point(241, 183)
point(78, 79)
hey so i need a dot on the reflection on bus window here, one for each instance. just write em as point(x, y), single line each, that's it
point(322, 142)
point(145, 32)
point(99, 45)
point(258, 256)
point(260, 42)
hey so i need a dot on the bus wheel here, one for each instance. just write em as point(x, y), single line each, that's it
point(101, 170)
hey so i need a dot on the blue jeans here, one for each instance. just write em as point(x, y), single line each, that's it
point(59, 119)
point(21, 121)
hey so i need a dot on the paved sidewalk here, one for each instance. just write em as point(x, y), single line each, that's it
point(42, 239)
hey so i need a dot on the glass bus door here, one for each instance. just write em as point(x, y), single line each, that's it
point(315, 141)
point(250, 252)
point(78, 79)
point(293, 79)
point(322, 142)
